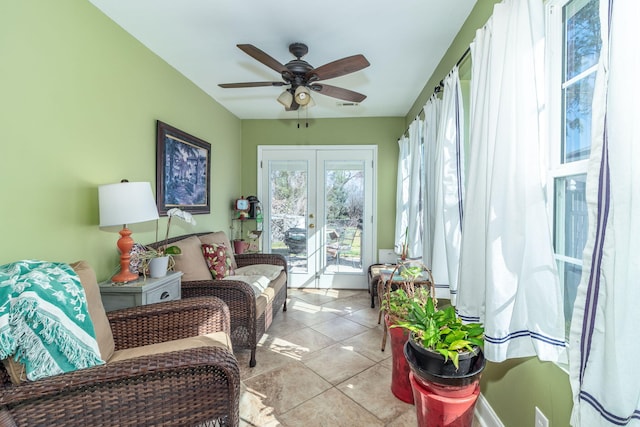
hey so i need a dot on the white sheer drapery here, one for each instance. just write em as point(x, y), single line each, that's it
point(446, 168)
point(408, 193)
point(431, 121)
point(603, 338)
point(508, 278)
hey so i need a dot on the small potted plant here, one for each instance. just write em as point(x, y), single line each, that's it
point(158, 261)
point(401, 292)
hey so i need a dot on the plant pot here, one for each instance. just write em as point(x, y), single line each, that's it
point(239, 246)
point(158, 267)
point(432, 372)
point(434, 362)
point(444, 400)
point(400, 385)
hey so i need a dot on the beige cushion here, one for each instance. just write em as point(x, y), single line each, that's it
point(220, 238)
point(216, 339)
point(269, 271)
point(16, 370)
point(101, 326)
point(191, 261)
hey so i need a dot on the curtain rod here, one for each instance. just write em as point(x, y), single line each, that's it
point(438, 88)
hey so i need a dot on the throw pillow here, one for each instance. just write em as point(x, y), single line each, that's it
point(217, 260)
point(220, 238)
point(190, 261)
point(269, 271)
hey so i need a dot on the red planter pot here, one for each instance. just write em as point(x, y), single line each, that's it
point(400, 384)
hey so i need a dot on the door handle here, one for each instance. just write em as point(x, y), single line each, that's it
point(312, 226)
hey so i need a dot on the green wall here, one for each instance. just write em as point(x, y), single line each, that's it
point(380, 131)
point(79, 100)
point(515, 387)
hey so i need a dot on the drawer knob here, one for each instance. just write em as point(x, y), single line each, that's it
point(164, 295)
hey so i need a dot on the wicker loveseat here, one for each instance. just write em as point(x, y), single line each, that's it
point(251, 312)
point(170, 365)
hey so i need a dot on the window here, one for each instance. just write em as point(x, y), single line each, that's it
point(573, 43)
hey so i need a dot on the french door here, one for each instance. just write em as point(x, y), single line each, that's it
point(318, 212)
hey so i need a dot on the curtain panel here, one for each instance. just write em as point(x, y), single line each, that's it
point(603, 338)
point(508, 278)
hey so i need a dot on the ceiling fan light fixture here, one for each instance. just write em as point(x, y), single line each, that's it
point(302, 95)
point(285, 99)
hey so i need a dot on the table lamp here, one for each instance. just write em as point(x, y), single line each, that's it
point(121, 204)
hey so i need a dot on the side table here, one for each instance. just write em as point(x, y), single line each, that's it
point(374, 276)
point(142, 292)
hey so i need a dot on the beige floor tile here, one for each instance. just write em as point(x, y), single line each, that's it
point(317, 297)
point(331, 408)
point(309, 340)
point(337, 363)
point(253, 412)
point(408, 419)
point(372, 390)
point(340, 329)
point(369, 343)
point(285, 388)
point(347, 306)
point(365, 316)
point(310, 315)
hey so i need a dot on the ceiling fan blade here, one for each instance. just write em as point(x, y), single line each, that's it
point(250, 84)
point(338, 92)
point(339, 68)
point(261, 56)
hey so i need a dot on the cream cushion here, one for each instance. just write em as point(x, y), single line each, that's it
point(269, 271)
point(191, 261)
point(101, 326)
point(216, 339)
point(220, 238)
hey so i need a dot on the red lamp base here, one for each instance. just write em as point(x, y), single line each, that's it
point(125, 243)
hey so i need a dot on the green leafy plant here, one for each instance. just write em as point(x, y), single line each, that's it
point(442, 330)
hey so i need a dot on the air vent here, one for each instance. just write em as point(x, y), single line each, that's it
point(347, 104)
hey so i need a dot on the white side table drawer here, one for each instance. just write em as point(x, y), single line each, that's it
point(142, 292)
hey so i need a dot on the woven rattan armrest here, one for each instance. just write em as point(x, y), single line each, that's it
point(256, 258)
point(167, 321)
point(148, 390)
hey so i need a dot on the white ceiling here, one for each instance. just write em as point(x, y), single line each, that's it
point(403, 40)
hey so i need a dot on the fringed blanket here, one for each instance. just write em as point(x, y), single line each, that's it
point(44, 321)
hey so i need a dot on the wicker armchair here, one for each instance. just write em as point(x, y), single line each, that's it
point(185, 387)
point(249, 320)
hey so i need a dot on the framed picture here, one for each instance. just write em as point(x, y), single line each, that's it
point(182, 171)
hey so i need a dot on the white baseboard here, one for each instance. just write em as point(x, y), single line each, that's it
point(485, 415)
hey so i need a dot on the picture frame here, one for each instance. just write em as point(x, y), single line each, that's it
point(182, 171)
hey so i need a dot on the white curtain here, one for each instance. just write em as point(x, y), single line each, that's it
point(408, 194)
point(431, 120)
point(447, 177)
point(604, 337)
point(508, 278)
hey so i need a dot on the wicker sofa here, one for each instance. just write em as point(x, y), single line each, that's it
point(251, 312)
point(169, 364)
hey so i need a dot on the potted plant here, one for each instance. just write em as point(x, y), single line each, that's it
point(158, 261)
point(401, 292)
point(446, 361)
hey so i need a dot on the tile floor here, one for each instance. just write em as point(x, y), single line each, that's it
point(320, 364)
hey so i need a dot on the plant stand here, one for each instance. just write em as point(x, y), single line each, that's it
point(400, 385)
point(444, 406)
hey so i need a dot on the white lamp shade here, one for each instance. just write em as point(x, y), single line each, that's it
point(126, 203)
point(302, 96)
point(285, 99)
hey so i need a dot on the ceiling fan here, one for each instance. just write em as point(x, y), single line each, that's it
point(303, 78)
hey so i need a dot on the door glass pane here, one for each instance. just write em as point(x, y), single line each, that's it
point(288, 211)
point(343, 217)
point(570, 275)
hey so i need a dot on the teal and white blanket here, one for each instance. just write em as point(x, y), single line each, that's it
point(44, 321)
